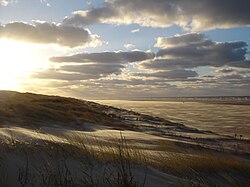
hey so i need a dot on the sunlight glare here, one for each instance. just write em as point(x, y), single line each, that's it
point(17, 61)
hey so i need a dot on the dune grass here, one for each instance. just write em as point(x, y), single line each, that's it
point(45, 158)
point(81, 161)
point(75, 162)
point(29, 109)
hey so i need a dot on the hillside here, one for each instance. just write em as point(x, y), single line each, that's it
point(32, 110)
point(57, 141)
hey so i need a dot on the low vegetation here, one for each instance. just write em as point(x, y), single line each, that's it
point(75, 162)
point(79, 161)
point(67, 155)
point(31, 109)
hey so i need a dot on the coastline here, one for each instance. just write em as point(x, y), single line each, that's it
point(74, 132)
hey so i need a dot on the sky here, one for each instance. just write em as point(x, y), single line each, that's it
point(123, 49)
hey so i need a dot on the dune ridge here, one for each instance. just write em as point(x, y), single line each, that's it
point(76, 138)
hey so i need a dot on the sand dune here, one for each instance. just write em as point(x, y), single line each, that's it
point(87, 141)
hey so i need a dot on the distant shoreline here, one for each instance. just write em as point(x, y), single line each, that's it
point(230, 100)
point(202, 101)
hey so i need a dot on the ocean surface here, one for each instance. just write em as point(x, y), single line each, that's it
point(220, 118)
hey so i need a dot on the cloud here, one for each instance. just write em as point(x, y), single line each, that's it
point(106, 57)
point(45, 2)
point(180, 40)
point(225, 71)
point(176, 75)
point(79, 72)
point(195, 50)
point(49, 33)
point(137, 87)
point(93, 69)
point(240, 64)
point(191, 14)
point(129, 46)
point(173, 71)
point(6, 2)
point(157, 87)
point(58, 75)
point(168, 64)
point(135, 30)
point(233, 80)
point(85, 66)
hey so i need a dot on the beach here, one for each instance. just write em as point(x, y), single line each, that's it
point(224, 118)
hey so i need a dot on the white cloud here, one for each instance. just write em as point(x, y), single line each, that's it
point(45, 2)
point(6, 2)
point(135, 30)
point(180, 40)
point(129, 46)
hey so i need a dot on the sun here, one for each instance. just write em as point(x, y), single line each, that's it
point(17, 61)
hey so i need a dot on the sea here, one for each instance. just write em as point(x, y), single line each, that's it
point(223, 115)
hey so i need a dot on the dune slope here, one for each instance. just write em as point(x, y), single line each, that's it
point(56, 141)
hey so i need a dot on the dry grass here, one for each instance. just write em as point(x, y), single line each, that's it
point(59, 161)
point(204, 166)
point(75, 162)
point(30, 109)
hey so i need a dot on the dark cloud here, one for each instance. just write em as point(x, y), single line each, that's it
point(207, 51)
point(234, 80)
point(80, 72)
point(194, 14)
point(66, 76)
point(178, 74)
point(194, 50)
point(136, 87)
point(168, 64)
point(93, 69)
point(232, 77)
point(170, 72)
point(106, 57)
point(227, 78)
point(149, 85)
point(49, 33)
point(240, 64)
point(87, 66)
point(226, 71)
